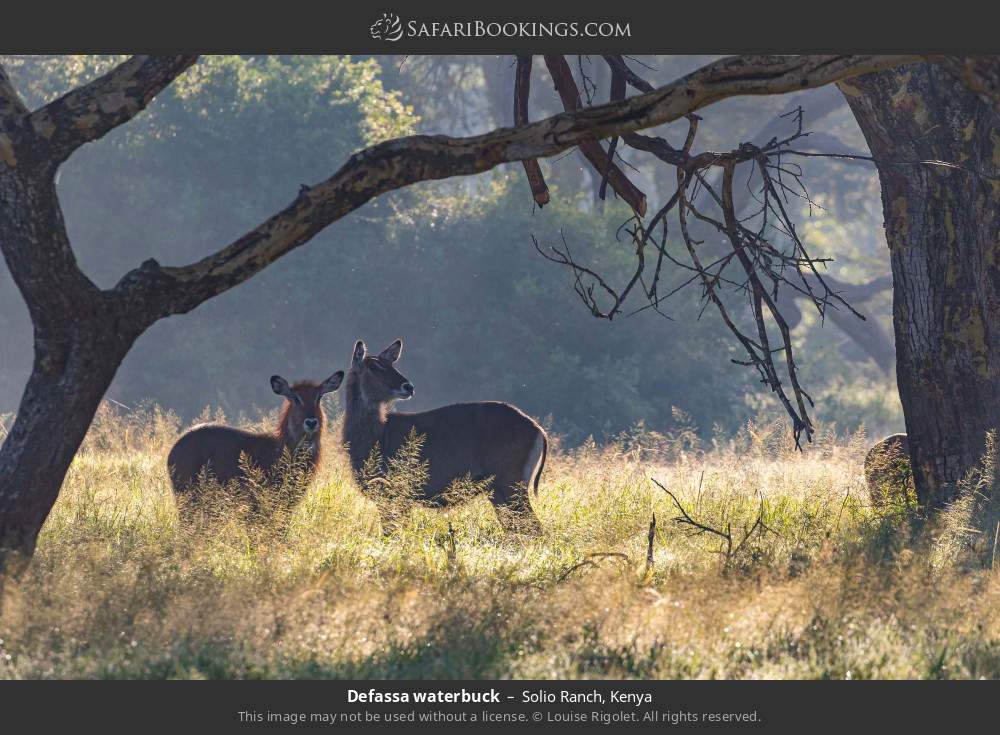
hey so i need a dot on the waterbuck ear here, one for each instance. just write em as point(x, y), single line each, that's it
point(332, 383)
point(280, 386)
point(359, 353)
point(392, 352)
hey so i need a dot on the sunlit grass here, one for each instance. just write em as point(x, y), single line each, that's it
point(814, 584)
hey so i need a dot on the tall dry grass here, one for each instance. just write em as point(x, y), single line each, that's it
point(815, 583)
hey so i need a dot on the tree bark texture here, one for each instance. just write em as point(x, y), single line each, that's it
point(937, 148)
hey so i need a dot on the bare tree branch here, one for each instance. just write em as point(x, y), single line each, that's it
point(522, 89)
point(759, 259)
point(761, 297)
point(601, 160)
point(91, 111)
point(615, 93)
point(618, 66)
point(160, 291)
point(729, 551)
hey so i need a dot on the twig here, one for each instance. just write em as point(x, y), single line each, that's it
point(451, 544)
point(699, 528)
point(589, 561)
point(649, 547)
point(996, 536)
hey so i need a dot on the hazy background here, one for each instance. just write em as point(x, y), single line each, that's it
point(448, 266)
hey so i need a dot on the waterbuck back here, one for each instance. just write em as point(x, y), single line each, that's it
point(475, 440)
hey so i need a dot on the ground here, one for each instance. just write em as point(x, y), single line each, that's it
point(824, 586)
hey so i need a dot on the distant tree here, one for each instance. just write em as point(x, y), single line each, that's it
point(82, 332)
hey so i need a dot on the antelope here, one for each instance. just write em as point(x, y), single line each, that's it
point(479, 440)
point(887, 467)
point(217, 449)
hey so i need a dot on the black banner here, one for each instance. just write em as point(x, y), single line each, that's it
point(449, 27)
point(223, 707)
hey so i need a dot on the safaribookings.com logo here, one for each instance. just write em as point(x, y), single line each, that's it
point(390, 28)
point(387, 28)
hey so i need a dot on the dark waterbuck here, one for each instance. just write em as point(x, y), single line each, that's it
point(481, 440)
point(216, 449)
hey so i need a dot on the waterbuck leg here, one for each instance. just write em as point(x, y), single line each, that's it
point(513, 509)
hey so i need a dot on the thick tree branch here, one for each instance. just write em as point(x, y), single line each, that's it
point(39, 255)
point(91, 111)
point(10, 102)
point(156, 291)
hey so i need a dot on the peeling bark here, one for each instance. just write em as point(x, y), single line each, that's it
point(943, 229)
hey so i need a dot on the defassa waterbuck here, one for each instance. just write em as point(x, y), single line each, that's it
point(479, 440)
point(887, 470)
point(216, 450)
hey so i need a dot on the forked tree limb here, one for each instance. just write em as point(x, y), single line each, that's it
point(91, 111)
point(522, 90)
point(867, 334)
point(601, 160)
point(618, 66)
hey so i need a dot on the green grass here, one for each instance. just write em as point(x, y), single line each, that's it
point(822, 586)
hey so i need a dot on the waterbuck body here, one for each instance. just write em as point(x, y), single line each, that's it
point(223, 452)
point(476, 440)
point(887, 468)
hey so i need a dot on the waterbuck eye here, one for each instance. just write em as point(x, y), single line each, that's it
point(295, 397)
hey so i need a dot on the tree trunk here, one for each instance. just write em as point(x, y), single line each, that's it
point(937, 150)
point(80, 339)
point(62, 395)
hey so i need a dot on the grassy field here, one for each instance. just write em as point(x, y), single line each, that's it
point(813, 584)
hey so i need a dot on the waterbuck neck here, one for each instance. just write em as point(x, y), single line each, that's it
point(364, 422)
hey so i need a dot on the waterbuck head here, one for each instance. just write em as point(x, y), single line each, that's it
point(302, 418)
point(380, 383)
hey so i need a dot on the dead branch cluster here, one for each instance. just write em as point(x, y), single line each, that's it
point(755, 252)
point(729, 550)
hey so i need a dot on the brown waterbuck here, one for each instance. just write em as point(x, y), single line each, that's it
point(887, 470)
point(223, 451)
point(475, 440)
